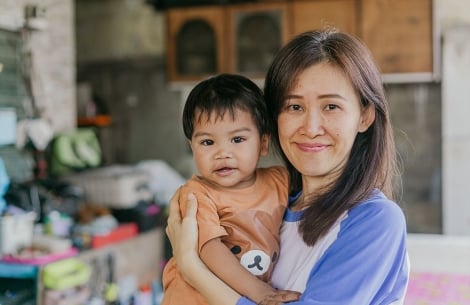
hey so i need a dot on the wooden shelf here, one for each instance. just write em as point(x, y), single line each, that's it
point(145, 265)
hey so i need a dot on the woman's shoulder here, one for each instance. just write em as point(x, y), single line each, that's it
point(378, 209)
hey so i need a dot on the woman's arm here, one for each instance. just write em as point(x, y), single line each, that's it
point(221, 261)
point(183, 234)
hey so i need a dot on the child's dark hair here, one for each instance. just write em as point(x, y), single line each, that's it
point(221, 94)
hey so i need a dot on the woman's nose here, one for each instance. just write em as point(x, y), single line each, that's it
point(312, 124)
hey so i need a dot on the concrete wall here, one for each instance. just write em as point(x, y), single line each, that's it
point(456, 130)
point(53, 57)
point(454, 25)
point(118, 29)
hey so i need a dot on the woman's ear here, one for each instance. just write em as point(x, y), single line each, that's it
point(367, 118)
point(264, 145)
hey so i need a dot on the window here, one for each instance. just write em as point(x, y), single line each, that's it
point(13, 91)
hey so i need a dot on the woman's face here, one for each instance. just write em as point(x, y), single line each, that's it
point(318, 123)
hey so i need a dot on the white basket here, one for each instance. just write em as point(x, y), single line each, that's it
point(16, 231)
point(116, 186)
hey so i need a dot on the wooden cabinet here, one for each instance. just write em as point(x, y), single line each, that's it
point(244, 38)
point(240, 38)
point(255, 33)
point(399, 34)
point(196, 43)
point(310, 15)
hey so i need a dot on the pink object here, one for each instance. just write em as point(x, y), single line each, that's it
point(438, 289)
point(40, 260)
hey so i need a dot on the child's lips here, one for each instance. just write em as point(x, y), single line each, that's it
point(224, 171)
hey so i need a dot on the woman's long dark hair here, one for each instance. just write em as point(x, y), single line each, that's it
point(372, 161)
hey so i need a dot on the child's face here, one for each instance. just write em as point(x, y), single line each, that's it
point(226, 151)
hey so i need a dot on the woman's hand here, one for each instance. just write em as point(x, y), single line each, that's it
point(183, 235)
point(183, 232)
point(280, 297)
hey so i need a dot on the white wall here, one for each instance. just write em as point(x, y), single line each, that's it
point(453, 21)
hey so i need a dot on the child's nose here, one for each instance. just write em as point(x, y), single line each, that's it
point(223, 153)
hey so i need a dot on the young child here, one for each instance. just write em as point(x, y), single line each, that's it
point(240, 205)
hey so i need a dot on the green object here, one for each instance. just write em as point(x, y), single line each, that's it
point(76, 150)
point(66, 274)
point(111, 293)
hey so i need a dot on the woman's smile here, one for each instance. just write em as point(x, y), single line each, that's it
point(311, 147)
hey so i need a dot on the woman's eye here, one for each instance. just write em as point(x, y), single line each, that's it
point(207, 142)
point(331, 107)
point(238, 140)
point(294, 107)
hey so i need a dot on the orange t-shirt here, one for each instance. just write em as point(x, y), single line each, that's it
point(247, 221)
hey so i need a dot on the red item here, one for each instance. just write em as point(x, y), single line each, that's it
point(122, 232)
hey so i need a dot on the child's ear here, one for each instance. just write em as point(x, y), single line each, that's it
point(264, 145)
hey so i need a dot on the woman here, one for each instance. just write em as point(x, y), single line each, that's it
point(343, 241)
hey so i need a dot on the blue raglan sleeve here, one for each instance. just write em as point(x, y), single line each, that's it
point(366, 265)
point(368, 262)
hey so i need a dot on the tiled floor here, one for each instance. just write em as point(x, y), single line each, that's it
point(440, 270)
point(438, 289)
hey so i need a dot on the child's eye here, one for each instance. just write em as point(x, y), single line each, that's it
point(238, 140)
point(207, 142)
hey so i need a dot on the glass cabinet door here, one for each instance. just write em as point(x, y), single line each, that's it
point(257, 33)
point(258, 38)
point(195, 48)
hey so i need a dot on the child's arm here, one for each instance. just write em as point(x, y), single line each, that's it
point(220, 260)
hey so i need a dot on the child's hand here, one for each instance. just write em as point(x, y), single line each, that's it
point(280, 297)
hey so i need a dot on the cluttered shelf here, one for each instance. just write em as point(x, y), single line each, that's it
point(103, 224)
point(86, 274)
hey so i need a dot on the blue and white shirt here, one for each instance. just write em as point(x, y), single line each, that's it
point(362, 260)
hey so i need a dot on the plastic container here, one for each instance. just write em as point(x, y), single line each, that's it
point(116, 186)
point(16, 231)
